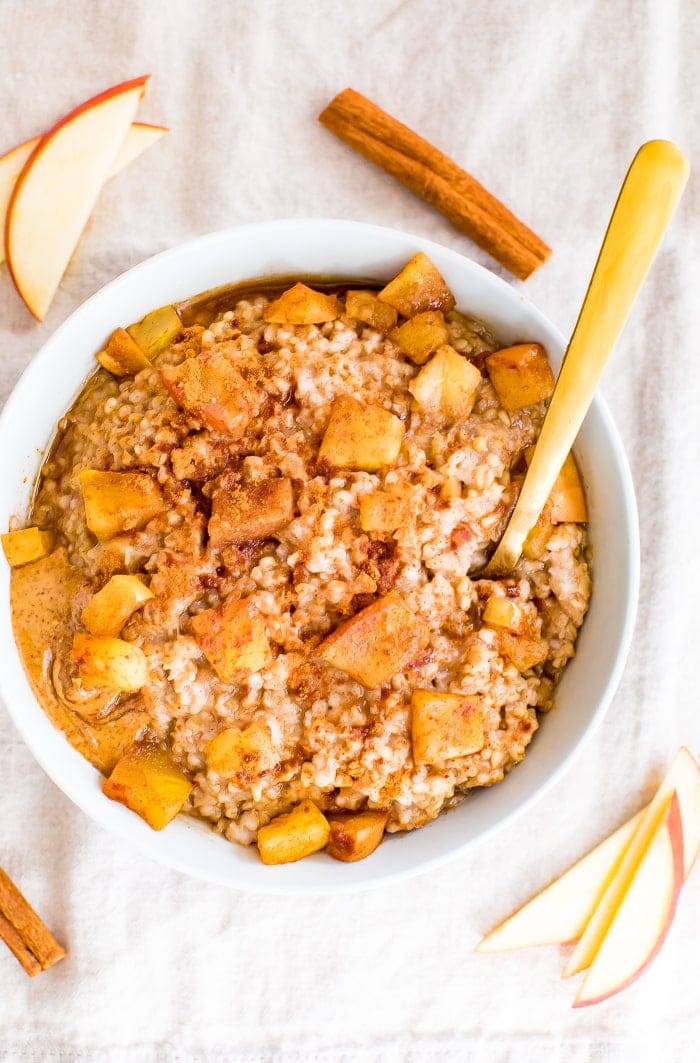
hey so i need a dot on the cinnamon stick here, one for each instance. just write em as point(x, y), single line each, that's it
point(23, 932)
point(433, 176)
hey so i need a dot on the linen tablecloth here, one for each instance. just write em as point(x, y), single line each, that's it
point(546, 103)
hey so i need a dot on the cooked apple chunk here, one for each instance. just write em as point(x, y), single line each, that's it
point(361, 437)
point(242, 754)
point(451, 488)
point(26, 545)
point(294, 835)
point(567, 502)
point(118, 501)
point(355, 835)
point(535, 545)
point(148, 781)
point(233, 639)
point(209, 388)
point(421, 336)
point(524, 651)
point(377, 642)
point(364, 306)
point(110, 608)
point(250, 511)
point(122, 356)
point(381, 511)
point(446, 387)
point(418, 287)
point(504, 612)
point(156, 330)
point(521, 375)
point(302, 305)
point(445, 726)
point(109, 663)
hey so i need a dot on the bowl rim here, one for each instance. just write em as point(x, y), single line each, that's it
point(142, 841)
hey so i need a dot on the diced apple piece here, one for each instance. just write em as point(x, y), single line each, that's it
point(558, 914)
point(213, 391)
point(364, 306)
point(535, 545)
point(122, 355)
point(377, 642)
point(156, 331)
point(302, 305)
point(644, 916)
point(110, 608)
point(360, 436)
point(118, 501)
point(58, 187)
point(522, 650)
point(355, 835)
point(418, 287)
point(446, 386)
point(421, 336)
point(233, 639)
point(521, 375)
point(445, 726)
point(567, 502)
point(451, 488)
point(243, 754)
point(381, 511)
point(110, 663)
point(148, 781)
point(504, 612)
point(294, 835)
point(250, 511)
point(683, 778)
point(26, 545)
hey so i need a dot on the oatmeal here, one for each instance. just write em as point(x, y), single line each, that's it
point(267, 542)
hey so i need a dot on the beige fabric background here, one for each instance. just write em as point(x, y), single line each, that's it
point(546, 102)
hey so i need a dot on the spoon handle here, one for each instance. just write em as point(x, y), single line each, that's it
point(647, 200)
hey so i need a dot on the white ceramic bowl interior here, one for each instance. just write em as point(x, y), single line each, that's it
point(54, 378)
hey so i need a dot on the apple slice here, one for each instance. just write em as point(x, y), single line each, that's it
point(11, 165)
point(646, 912)
point(56, 191)
point(139, 137)
point(559, 913)
point(683, 777)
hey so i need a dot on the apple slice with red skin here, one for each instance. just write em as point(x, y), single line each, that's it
point(57, 189)
point(683, 777)
point(140, 136)
point(644, 916)
point(11, 165)
point(558, 914)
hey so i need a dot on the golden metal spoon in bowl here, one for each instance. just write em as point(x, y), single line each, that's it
point(644, 208)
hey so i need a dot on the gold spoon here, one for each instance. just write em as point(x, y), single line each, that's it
point(644, 208)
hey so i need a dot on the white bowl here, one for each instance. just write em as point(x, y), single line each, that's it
point(54, 378)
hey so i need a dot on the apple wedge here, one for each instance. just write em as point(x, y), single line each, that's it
point(139, 137)
point(559, 913)
point(683, 778)
point(11, 165)
point(644, 916)
point(57, 189)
